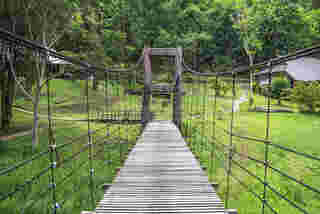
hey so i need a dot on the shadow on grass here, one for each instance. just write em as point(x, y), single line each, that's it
point(310, 114)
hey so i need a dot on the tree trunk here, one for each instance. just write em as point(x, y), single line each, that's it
point(196, 60)
point(11, 95)
point(7, 97)
point(316, 4)
point(251, 101)
point(130, 36)
point(35, 128)
point(8, 89)
point(5, 122)
point(39, 76)
point(228, 48)
point(29, 77)
point(94, 83)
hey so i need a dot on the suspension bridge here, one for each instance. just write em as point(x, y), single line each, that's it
point(166, 159)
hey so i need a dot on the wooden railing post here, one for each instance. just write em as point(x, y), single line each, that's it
point(178, 90)
point(146, 117)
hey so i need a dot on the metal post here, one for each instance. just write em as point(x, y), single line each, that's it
point(213, 151)
point(90, 144)
point(52, 147)
point(230, 149)
point(267, 138)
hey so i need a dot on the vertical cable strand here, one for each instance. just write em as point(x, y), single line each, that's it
point(230, 149)
point(52, 146)
point(266, 159)
point(90, 143)
point(214, 124)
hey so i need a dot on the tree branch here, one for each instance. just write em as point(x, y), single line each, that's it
point(16, 79)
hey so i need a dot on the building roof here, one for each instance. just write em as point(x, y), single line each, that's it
point(54, 60)
point(303, 69)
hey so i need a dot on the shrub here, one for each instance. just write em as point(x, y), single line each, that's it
point(256, 88)
point(279, 86)
point(307, 95)
point(222, 87)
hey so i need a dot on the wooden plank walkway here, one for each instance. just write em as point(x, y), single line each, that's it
point(161, 175)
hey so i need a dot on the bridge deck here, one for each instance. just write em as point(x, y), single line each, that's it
point(161, 175)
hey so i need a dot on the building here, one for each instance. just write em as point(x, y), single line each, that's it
point(303, 69)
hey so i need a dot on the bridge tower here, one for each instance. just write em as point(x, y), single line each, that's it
point(178, 87)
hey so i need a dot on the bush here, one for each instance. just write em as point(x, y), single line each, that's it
point(307, 95)
point(222, 87)
point(279, 86)
point(256, 88)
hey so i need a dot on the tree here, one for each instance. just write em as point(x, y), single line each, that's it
point(7, 94)
point(278, 88)
point(316, 4)
point(273, 28)
point(86, 37)
point(11, 19)
point(46, 22)
point(246, 23)
point(306, 95)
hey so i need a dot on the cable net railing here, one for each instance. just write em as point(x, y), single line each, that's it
point(254, 153)
point(84, 133)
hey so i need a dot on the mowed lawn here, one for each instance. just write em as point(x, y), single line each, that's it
point(296, 131)
point(26, 189)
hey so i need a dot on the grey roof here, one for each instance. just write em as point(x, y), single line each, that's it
point(304, 69)
point(54, 60)
point(264, 82)
point(276, 69)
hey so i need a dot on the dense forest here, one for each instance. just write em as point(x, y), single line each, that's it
point(213, 33)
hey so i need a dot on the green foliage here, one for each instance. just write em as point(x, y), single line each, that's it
point(256, 87)
point(313, 18)
point(222, 29)
point(266, 29)
point(71, 176)
point(307, 95)
point(278, 87)
point(221, 87)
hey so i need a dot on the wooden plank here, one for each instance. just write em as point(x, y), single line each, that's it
point(164, 51)
point(161, 175)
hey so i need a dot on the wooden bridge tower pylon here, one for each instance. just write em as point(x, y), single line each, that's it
point(178, 87)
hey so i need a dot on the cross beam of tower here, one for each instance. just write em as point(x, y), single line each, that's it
point(178, 88)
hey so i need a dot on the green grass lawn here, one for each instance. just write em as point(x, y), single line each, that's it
point(31, 181)
point(297, 131)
